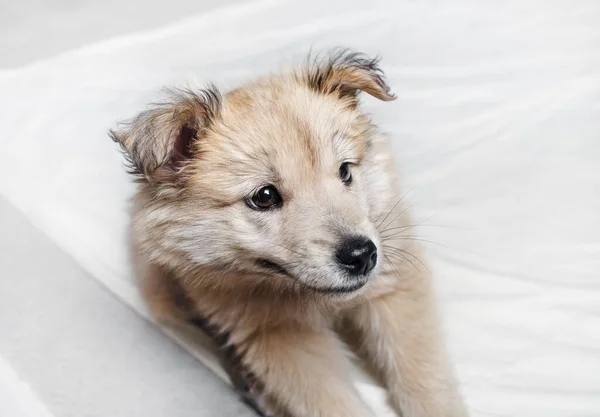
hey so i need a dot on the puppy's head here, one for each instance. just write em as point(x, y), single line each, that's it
point(280, 180)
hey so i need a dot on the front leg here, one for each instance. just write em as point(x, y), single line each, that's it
point(399, 335)
point(301, 373)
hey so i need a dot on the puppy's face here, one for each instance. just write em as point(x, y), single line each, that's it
point(279, 180)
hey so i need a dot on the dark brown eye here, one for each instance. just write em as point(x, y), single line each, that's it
point(265, 198)
point(345, 174)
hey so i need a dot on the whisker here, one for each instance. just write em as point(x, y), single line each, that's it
point(398, 215)
point(401, 257)
point(385, 209)
point(408, 226)
point(417, 239)
point(402, 252)
point(392, 265)
point(393, 208)
point(378, 224)
point(421, 224)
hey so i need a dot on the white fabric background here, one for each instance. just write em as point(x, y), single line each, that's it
point(496, 130)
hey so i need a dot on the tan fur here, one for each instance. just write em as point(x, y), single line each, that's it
point(197, 241)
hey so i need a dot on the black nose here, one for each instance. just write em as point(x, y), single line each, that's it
point(357, 255)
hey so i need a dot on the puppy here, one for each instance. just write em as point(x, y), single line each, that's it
point(270, 216)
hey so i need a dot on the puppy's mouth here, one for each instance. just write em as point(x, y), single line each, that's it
point(340, 290)
point(273, 267)
point(333, 291)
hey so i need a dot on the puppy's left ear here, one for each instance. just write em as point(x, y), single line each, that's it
point(345, 74)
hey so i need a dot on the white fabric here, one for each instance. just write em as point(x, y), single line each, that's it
point(70, 348)
point(16, 398)
point(497, 133)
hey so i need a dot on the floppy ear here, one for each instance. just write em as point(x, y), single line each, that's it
point(345, 73)
point(159, 141)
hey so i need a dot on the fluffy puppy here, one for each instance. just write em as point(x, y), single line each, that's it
point(270, 216)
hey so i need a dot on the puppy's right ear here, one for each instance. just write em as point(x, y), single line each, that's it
point(159, 141)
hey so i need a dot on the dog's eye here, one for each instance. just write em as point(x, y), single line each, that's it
point(345, 174)
point(265, 198)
